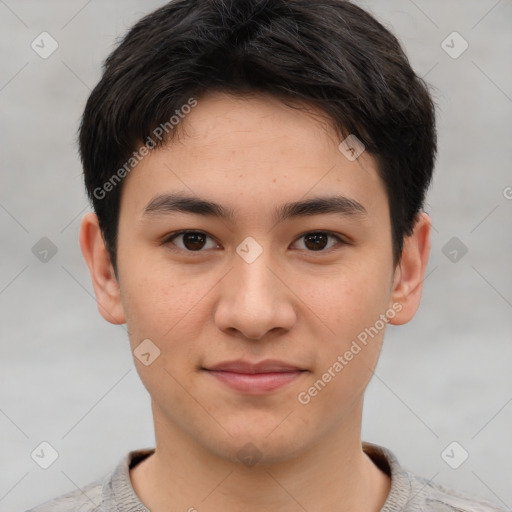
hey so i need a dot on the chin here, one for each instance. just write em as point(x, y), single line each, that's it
point(261, 446)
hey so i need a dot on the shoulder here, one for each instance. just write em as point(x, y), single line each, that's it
point(87, 499)
point(438, 498)
point(412, 493)
point(112, 491)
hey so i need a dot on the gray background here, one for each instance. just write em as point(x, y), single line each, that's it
point(67, 375)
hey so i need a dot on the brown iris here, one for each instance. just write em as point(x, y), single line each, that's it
point(193, 241)
point(316, 241)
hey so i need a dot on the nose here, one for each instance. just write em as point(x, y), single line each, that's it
point(255, 300)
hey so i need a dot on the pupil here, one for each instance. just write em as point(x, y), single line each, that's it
point(193, 241)
point(319, 241)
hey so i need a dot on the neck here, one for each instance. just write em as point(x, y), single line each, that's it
point(334, 475)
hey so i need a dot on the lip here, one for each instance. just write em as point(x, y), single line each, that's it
point(255, 378)
point(265, 366)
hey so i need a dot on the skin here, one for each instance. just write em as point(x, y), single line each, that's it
point(292, 303)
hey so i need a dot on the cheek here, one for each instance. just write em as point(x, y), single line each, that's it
point(348, 300)
point(155, 298)
point(168, 308)
point(345, 360)
point(163, 308)
point(352, 307)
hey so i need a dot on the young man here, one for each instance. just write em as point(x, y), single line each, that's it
point(257, 171)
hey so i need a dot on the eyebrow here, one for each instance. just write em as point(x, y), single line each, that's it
point(171, 203)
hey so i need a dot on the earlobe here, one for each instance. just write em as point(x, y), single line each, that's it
point(105, 283)
point(410, 272)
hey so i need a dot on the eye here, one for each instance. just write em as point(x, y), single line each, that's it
point(195, 241)
point(192, 241)
point(316, 241)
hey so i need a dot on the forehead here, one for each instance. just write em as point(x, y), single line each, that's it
point(235, 149)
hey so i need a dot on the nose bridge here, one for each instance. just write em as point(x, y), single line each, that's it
point(254, 284)
point(252, 300)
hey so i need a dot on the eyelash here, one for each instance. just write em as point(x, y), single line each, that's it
point(169, 238)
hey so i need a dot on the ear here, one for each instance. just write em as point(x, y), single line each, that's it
point(106, 287)
point(410, 272)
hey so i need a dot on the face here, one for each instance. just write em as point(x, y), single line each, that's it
point(256, 278)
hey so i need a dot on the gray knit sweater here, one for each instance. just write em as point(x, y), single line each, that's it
point(409, 492)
